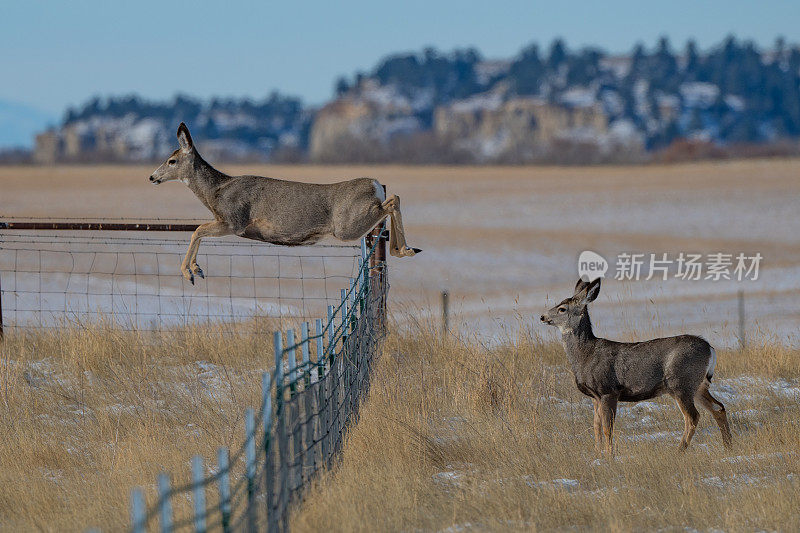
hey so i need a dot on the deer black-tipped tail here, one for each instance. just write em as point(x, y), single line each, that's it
point(712, 362)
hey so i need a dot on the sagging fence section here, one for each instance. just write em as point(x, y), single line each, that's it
point(320, 369)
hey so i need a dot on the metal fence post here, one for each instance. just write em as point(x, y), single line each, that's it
point(199, 494)
point(380, 258)
point(345, 317)
point(353, 307)
point(322, 395)
point(223, 467)
point(342, 375)
point(250, 465)
point(293, 413)
point(445, 312)
point(280, 425)
point(305, 354)
point(309, 421)
point(742, 332)
point(269, 466)
point(320, 348)
point(1, 309)
point(165, 503)
point(290, 351)
point(138, 511)
point(331, 338)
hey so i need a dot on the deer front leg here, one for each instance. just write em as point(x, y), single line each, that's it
point(598, 426)
point(397, 237)
point(608, 411)
point(189, 266)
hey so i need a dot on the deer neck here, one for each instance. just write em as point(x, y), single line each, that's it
point(579, 342)
point(206, 179)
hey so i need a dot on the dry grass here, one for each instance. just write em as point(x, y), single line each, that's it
point(455, 434)
point(92, 411)
point(458, 436)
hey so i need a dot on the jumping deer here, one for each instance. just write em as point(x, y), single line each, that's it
point(610, 372)
point(277, 211)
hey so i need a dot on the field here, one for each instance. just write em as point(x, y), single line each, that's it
point(480, 429)
point(505, 241)
point(458, 437)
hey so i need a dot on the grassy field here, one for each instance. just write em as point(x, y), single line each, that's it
point(91, 412)
point(483, 432)
point(455, 436)
point(459, 437)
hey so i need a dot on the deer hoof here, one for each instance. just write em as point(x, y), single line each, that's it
point(417, 250)
point(199, 271)
point(187, 275)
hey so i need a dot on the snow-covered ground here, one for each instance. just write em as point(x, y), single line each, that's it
point(503, 241)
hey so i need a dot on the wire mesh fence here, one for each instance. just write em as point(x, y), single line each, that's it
point(321, 373)
point(54, 279)
point(55, 275)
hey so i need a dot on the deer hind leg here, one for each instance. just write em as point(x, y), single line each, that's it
point(690, 419)
point(397, 237)
point(608, 411)
point(189, 266)
point(717, 410)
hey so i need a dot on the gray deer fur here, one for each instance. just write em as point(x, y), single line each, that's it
point(610, 372)
point(276, 211)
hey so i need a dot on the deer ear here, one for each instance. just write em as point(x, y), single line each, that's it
point(592, 291)
point(580, 285)
point(184, 138)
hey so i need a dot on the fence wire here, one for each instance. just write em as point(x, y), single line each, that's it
point(52, 279)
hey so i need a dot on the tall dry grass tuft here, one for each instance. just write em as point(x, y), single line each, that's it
point(458, 435)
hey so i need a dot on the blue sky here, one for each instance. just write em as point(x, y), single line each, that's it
point(59, 53)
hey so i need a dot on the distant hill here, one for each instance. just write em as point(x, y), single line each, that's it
point(554, 105)
point(19, 123)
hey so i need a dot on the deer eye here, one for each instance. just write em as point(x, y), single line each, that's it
point(171, 162)
point(562, 310)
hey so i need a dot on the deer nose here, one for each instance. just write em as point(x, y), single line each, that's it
point(541, 318)
point(152, 178)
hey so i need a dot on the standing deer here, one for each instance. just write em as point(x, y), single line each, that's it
point(609, 371)
point(277, 211)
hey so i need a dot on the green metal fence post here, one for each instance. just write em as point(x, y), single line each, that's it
point(199, 494)
point(290, 351)
point(224, 484)
point(269, 464)
point(250, 465)
point(165, 502)
point(138, 511)
point(322, 395)
point(345, 318)
point(280, 425)
point(305, 353)
point(331, 338)
point(309, 409)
